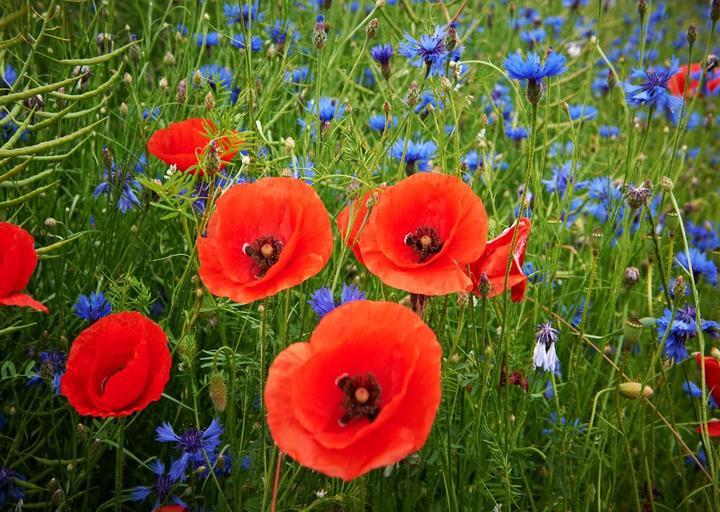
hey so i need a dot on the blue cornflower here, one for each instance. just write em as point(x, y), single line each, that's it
point(471, 161)
point(574, 4)
point(382, 54)
point(428, 51)
point(582, 112)
point(694, 391)
point(92, 307)
point(238, 41)
point(281, 31)
point(122, 182)
point(303, 168)
point(211, 39)
point(533, 36)
point(245, 15)
point(379, 122)
point(544, 355)
point(560, 150)
point(531, 69)
point(417, 154)
point(701, 458)
point(653, 90)
point(52, 366)
point(702, 266)
point(556, 23)
point(682, 330)
point(516, 133)
point(427, 101)
point(297, 75)
point(323, 302)
point(201, 190)
point(328, 109)
point(10, 492)
point(194, 445)
point(8, 78)
point(562, 177)
point(609, 131)
point(703, 237)
point(163, 487)
point(560, 424)
point(181, 29)
point(215, 75)
point(603, 195)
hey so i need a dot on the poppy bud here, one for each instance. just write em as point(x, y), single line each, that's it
point(187, 348)
point(634, 390)
point(484, 285)
point(218, 392)
point(372, 28)
point(632, 329)
point(631, 276)
point(650, 247)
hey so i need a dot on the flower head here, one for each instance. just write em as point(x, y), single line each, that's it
point(323, 302)
point(682, 330)
point(10, 491)
point(163, 488)
point(544, 355)
point(18, 260)
point(429, 51)
point(92, 307)
point(702, 266)
point(193, 444)
point(415, 154)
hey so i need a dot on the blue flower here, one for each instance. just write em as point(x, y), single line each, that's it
point(92, 307)
point(682, 330)
point(701, 459)
point(151, 113)
point(280, 32)
point(322, 301)
point(382, 53)
point(238, 41)
point(211, 39)
point(562, 177)
point(652, 90)
point(607, 131)
point(560, 424)
point(10, 492)
point(582, 112)
point(123, 183)
point(245, 15)
point(533, 37)
point(328, 110)
point(52, 366)
point(428, 51)
point(417, 154)
point(378, 122)
point(517, 133)
point(215, 75)
point(193, 444)
point(531, 69)
point(703, 237)
point(604, 197)
point(303, 168)
point(702, 266)
point(556, 23)
point(163, 487)
point(8, 78)
point(694, 391)
point(427, 98)
point(297, 75)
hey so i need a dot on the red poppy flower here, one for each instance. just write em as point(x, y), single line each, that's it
point(353, 218)
point(423, 232)
point(676, 84)
point(712, 381)
point(264, 237)
point(494, 262)
point(171, 508)
point(182, 143)
point(18, 260)
point(117, 366)
point(362, 393)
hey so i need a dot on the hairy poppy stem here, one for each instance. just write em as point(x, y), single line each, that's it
point(276, 485)
point(119, 456)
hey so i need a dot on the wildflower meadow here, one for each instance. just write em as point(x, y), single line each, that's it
point(412, 255)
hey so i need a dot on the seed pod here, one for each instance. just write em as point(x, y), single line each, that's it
point(632, 330)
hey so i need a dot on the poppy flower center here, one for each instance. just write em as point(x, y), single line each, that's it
point(362, 397)
point(425, 241)
point(265, 252)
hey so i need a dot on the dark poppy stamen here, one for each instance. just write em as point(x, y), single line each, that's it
point(425, 241)
point(265, 251)
point(362, 397)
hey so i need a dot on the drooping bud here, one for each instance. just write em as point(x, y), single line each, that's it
point(218, 392)
point(634, 390)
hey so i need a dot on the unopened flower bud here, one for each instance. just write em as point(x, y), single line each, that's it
point(209, 101)
point(692, 33)
point(413, 96)
point(127, 78)
point(642, 8)
point(679, 288)
point(631, 276)
point(372, 28)
point(484, 285)
point(163, 84)
point(169, 59)
point(181, 95)
point(319, 33)
point(123, 109)
point(218, 392)
point(715, 10)
point(197, 78)
point(634, 390)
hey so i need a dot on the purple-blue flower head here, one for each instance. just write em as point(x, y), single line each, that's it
point(428, 51)
point(92, 307)
point(322, 301)
point(382, 53)
point(702, 266)
point(531, 68)
point(683, 329)
point(193, 444)
point(417, 153)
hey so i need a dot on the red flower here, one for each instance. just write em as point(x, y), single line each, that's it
point(117, 366)
point(423, 232)
point(353, 218)
point(712, 381)
point(362, 393)
point(494, 262)
point(18, 260)
point(182, 143)
point(264, 237)
point(676, 84)
point(171, 508)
